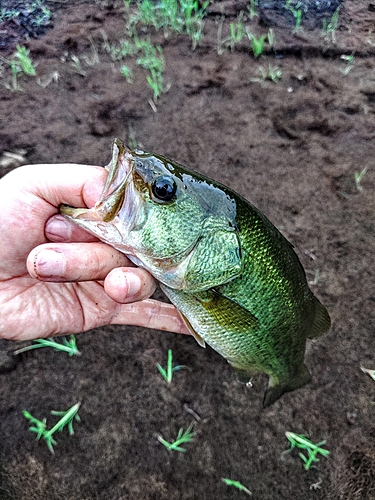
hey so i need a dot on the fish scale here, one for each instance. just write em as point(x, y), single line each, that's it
point(236, 281)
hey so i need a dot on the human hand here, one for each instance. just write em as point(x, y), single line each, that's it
point(55, 278)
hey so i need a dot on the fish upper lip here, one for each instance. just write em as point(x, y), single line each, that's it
point(120, 170)
point(111, 200)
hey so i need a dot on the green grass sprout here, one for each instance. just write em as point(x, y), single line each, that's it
point(37, 11)
point(68, 346)
point(40, 426)
point(168, 373)
point(298, 17)
point(297, 12)
point(173, 16)
point(349, 63)
point(252, 9)
point(92, 59)
point(77, 65)
point(256, 44)
point(66, 419)
point(299, 441)
point(220, 42)
point(20, 62)
point(22, 57)
point(236, 484)
point(271, 37)
point(127, 73)
point(330, 27)
point(358, 176)
point(117, 51)
point(237, 32)
point(274, 73)
point(369, 372)
point(8, 14)
point(152, 59)
point(151, 56)
point(44, 16)
point(181, 16)
point(155, 82)
point(370, 38)
point(182, 438)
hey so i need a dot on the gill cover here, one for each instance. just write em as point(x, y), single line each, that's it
point(174, 223)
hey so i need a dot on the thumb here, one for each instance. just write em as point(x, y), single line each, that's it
point(70, 183)
point(73, 184)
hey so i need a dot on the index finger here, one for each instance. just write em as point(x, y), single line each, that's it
point(61, 230)
point(150, 313)
point(70, 183)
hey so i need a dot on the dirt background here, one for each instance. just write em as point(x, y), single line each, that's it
point(292, 149)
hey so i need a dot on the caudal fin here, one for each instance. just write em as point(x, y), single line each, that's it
point(321, 322)
point(274, 392)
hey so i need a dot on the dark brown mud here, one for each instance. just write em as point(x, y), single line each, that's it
point(291, 147)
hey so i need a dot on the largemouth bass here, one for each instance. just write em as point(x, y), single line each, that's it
point(236, 281)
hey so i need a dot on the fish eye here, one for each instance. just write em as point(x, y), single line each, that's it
point(164, 188)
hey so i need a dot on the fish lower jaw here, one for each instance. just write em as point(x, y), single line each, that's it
point(79, 215)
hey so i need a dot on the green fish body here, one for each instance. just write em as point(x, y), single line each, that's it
point(236, 281)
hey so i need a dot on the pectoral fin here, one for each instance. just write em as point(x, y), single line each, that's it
point(228, 314)
point(197, 337)
point(214, 319)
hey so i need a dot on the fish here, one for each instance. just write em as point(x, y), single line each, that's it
point(234, 278)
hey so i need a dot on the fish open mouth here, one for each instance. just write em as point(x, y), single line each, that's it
point(112, 198)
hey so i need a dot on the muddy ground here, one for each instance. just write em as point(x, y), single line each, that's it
point(291, 147)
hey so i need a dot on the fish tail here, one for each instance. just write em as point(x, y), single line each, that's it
point(274, 392)
point(321, 322)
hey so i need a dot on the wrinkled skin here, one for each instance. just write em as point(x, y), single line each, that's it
point(94, 284)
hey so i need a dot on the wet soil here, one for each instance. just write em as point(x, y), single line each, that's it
point(292, 148)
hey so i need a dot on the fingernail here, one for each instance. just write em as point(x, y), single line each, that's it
point(49, 264)
point(130, 284)
point(58, 228)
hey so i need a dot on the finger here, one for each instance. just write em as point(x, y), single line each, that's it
point(30, 195)
point(61, 230)
point(151, 314)
point(61, 262)
point(69, 183)
point(126, 284)
point(75, 185)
